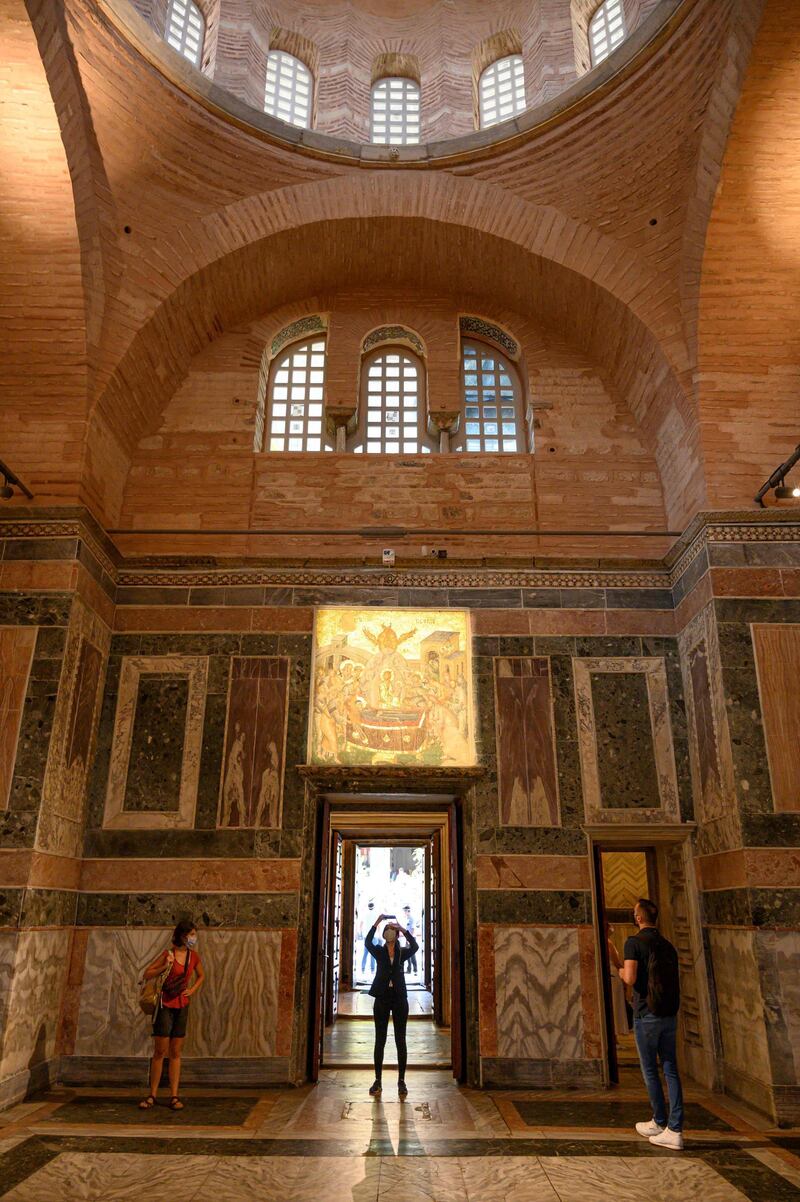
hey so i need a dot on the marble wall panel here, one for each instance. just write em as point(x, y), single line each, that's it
point(711, 759)
point(255, 740)
point(602, 787)
point(526, 749)
point(8, 951)
point(236, 1014)
point(626, 762)
point(16, 652)
point(778, 957)
point(151, 794)
point(39, 976)
point(60, 828)
point(538, 993)
point(777, 654)
point(740, 1008)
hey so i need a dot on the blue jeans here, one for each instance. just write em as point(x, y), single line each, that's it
point(655, 1040)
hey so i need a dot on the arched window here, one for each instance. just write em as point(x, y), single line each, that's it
point(392, 405)
point(501, 90)
point(492, 418)
point(185, 29)
point(289, 89)
point(296, 382)
point(395, 112)
point(606, 30)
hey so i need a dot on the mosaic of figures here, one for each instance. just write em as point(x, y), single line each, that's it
point(394, 688)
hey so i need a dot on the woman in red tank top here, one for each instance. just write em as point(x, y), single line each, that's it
point(169, 1021)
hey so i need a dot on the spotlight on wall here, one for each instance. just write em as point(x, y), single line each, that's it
point(782, 493)
point(10, 482)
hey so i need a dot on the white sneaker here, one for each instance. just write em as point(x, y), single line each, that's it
point(649, 1128)
point(668, 1139)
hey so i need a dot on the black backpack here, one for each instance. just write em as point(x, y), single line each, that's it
point(663, 984)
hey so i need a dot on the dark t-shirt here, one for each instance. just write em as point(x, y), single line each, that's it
point(637, 947)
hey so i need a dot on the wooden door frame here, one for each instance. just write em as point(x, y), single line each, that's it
point(644, 837)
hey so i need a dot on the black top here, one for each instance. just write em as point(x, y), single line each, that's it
point(389, 975)
point(637, 947)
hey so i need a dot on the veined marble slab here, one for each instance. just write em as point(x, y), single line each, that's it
point(739, 1003)
point(234, 1015)
point(538, 991)
point(16, 654)
point(37, 985)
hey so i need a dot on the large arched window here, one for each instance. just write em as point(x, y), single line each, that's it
point(289, 89)
point(395, 112)
point(492, 419)
point(185, 29)
point(296, 381)
point(392, 405)
point(606, 30)
point(501, 90)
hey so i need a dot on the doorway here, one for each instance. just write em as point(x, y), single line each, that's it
point(403, 864)
point(622, 876)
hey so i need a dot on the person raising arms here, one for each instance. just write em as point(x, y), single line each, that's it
point(389, 990)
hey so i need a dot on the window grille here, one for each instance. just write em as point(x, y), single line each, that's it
point(289, 89)
point(392, 411)
point(296, 421)
point(395, 112)
point(606, 30)
point(185, 29)
point(501, 90)
point(492, 418)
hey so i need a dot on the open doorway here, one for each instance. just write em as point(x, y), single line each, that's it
point(622, 876)
point(390, 879)
point(401, 864)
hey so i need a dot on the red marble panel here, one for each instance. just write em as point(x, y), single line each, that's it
point(283, 1041)
point(70, 1004)
point(532, 872)
point(190, 876)
point(567, 621)
point(487, 991)
point(255, 737)
point(81, 718)
point(777, 649)
point(526, 755)
point(16, 652)
point(591, 1002)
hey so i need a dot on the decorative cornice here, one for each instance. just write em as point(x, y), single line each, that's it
point(479, 328)
point(479, 578)
point(313, 324)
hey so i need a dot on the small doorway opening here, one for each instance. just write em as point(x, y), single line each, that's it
point(622, 876)
point(401, 865)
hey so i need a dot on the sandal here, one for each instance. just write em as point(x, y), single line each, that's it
point(147, 1103)
point(175, 1104)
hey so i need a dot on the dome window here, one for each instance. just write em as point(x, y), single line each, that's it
point(501, 90)
point(395, 112)
point(289, 89)
point(606, 30)
point(392, 405)
point(185, 29)
point(492, 418)
point(297, 379)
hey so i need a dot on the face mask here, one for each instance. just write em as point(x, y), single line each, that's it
point(191, 941)
point(390, 936)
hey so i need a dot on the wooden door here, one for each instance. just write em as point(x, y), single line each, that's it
point(602, 941)
point(456, 1013)
point(320, 950)
point(348, 915)
point(334, 939)
point(425, 925)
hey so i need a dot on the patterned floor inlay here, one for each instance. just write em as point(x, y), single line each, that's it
point(606, 1114)
point(197, 1111)
point(333, 1143)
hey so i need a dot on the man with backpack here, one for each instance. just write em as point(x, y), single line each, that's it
point(651, 967)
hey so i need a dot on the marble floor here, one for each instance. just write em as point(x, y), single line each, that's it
point(350, 1041)
point(444, 1143)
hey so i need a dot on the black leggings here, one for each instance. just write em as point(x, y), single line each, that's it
point(398, 1006)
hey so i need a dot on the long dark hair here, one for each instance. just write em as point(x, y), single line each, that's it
point(184, 928)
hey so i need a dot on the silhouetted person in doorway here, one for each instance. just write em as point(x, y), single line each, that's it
point(389, 991)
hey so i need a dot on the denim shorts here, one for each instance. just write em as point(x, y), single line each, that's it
point(171, 1022)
